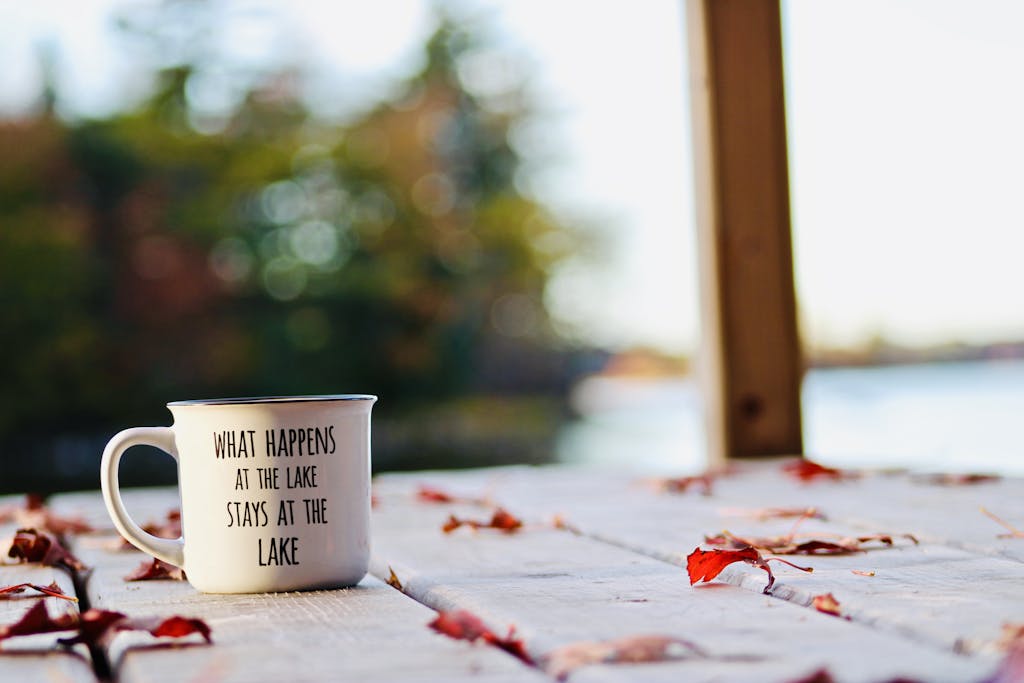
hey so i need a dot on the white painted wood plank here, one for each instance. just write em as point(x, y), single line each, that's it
point(910, 595)
point(368, 633)
point(558, 588)
point(35, 658)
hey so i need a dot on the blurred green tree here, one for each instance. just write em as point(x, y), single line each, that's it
point(162, 253)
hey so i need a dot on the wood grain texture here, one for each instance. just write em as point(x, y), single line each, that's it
point(35, 659)
point(751, 364)
point(367, 633)
point(557, 588)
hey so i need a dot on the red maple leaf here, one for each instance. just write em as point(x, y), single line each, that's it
point(502, 520)
point(705, 565)
point(53, 590)
point(156, 570)
point(808, 470)
point(29, 545)
point(464, 625)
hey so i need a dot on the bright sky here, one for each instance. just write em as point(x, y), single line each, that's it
point(905, 145)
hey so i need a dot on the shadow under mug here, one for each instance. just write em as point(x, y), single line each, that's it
point(275, 491)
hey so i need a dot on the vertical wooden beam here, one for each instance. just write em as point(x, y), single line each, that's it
point(751, 357)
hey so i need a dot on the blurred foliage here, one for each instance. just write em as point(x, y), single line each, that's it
point(166, 253)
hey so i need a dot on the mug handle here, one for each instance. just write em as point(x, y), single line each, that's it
point(167, 549)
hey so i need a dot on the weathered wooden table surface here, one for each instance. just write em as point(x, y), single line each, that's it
point(614, 567)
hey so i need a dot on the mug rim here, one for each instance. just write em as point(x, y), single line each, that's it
point(250, 400)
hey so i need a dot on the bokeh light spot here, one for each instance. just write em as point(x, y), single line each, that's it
point(434, 194)
point(231, 260)
point(284, 278)
point(515, 315)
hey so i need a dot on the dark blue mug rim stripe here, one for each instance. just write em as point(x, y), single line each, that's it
point(247, 400)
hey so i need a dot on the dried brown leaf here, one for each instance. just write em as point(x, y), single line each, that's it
point(393, 580)
point(1012, 635)
point(826, 603)
point(701, 482)
point(1014, 531)
point(464, 625)
point(959, 479)
point(53, 591)
point(789, 545)
point(562, 661)
point(502, 520)
point(764, 514)
point(34, 513)
point(37, 620)
point(431, 494)
point(95, 625)
point(156, 570)
point(29, 545)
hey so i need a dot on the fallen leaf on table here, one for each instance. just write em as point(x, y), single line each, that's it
point(501, 520)
point(156, 570)
point(53, 591)
point(819, 676)
point(1011, 669)
point(393, 579)
point(34, 513)
point(169, 627)
point(169, 527)
point(562, 661)
point(1014, 531)
point(764, 514)
point(788, 544)
point(95, 625)
point(464, 625)
point(705, 565)
point(430, 494)
point(559, 522)
point(703, 482)
point(958, 479)
point(826, 603)
point(807, 470)
point(825, 676)
point(29, 545)
point(37, 620)
point(1012, 635)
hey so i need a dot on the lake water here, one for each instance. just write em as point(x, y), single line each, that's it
point(954, 417)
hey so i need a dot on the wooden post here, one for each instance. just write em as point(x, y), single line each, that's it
point(751, 356)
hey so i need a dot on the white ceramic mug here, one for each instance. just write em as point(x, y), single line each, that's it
point(275, 491)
